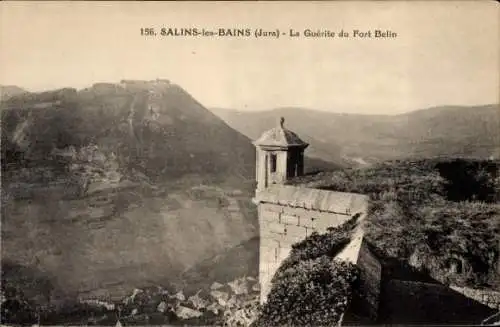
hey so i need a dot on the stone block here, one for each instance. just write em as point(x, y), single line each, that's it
point(270, 216)
point(295, 211)
point(294, 234)
point(272, 208)
point(308, 222)
point(309, 230)
point(266, 234)
point(289, 220)
point(323, 223)
point(277, 228)
point(283, 253)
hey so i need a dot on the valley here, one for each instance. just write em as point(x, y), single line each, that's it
point(109, 242)
point(135, 186)
point(359, 140)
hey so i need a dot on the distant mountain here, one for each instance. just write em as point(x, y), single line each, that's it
point(155, 127)
point(8, 91)
point(119, 186)
point(359, 139)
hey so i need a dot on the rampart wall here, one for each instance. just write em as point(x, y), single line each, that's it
point(282, 226)
point(486, 297)
point(366, 298)
point(410, 302)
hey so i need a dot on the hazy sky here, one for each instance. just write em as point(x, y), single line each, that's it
point(445, 52)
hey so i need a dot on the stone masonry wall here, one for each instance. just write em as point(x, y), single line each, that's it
point(486, 297)
point(282, 226)
point(367, 297)
point(410, 302)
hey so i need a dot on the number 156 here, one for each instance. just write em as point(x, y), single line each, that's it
point(147, 31)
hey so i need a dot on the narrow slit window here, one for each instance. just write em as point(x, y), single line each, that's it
point(273, 163)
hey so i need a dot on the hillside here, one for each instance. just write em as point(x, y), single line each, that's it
point(118, 186)
point(238, 261)
point(155, 127)
point(8, 91)
point(441, 216)
point(359, 139)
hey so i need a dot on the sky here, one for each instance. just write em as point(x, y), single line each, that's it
point(445, 53)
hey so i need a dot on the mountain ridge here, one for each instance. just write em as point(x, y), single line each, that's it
point(8, 91)
point(443, 130)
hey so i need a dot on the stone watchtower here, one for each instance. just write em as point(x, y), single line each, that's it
point(288, 214)
point(280, 156)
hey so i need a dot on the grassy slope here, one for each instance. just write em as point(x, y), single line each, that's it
point(424, 214)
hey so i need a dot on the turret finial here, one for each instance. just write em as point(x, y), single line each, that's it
point(282, 122)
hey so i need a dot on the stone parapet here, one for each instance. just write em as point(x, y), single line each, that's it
point(487, 297)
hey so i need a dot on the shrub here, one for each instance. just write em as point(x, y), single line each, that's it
point(430, 211)
point(313, 292)
point(310, 288)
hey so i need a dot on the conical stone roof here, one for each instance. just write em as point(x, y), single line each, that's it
point(279, 136)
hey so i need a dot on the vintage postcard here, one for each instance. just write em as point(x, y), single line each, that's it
point(250, 163)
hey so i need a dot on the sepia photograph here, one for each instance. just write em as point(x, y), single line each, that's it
point(250, 164)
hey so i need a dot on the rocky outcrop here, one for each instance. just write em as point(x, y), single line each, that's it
point(234, 303)
point(183, 312)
